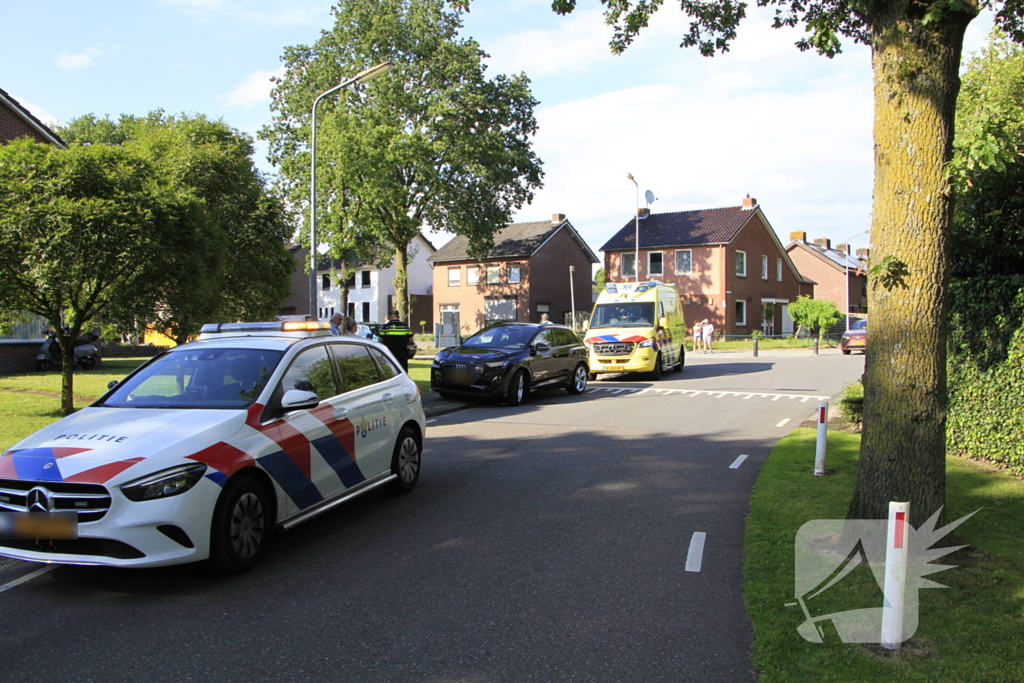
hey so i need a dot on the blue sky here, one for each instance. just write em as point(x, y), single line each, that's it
point(791, 129)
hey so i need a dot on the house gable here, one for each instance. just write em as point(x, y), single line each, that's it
point(16, 122)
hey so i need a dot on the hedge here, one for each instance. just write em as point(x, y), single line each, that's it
point(986, 370)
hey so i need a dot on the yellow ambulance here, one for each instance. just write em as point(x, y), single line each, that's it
point(637, 327)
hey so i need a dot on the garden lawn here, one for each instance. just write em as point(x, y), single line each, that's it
point(968, 632)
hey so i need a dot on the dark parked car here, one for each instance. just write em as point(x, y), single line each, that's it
point(372, 331)
point(509, 360)
point(855, 338)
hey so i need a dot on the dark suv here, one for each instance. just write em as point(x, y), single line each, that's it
point(508, 360)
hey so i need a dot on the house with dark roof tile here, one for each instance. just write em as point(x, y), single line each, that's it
point(727, 263)
point(532, 268)
point(16, 122)
point(840, 276)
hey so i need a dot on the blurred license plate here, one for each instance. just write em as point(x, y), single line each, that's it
point(459, 376)
point(57, 526)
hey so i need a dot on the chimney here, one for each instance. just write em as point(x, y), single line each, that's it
point(749, 203)
point(643, 213)
point(557, 218)
point(798, 236)
point(824, 243)
point(845, 248)
point(863, 254)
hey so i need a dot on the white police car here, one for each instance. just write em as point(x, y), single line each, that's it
point(205, 449)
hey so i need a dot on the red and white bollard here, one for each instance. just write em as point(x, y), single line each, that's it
point(819, 452)
point(895, 575)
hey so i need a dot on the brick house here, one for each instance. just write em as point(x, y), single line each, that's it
point(526, 273)
point(840, 277)
point(727, 263)
point(16, 122)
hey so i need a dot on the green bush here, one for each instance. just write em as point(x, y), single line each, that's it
point(985, 419)
point(851, 405)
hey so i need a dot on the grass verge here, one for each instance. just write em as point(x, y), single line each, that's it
point(968, 632)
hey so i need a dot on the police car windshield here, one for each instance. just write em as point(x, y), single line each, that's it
point(627, 314)
point(502, 338)
point(198, 378)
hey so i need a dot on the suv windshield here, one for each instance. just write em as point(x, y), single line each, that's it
point(198, 378)
point(502, 338)
point(626, 314)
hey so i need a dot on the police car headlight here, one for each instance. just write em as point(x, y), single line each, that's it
point(166, 483)
point(646, 344)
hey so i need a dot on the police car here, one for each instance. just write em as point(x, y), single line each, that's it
point(204, 450)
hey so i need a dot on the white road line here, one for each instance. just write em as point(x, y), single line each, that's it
point(783, 423)
point(695, 556)
point(737, 462)
point(429, 421)
point(748, 397)
point(28, 577)
point(777, 397)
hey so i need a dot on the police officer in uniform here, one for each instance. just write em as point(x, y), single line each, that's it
point(395, 335)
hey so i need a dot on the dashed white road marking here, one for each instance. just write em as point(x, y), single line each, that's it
point(695, 555)
point(746, 395)
point(783, 423)
point(28, 577)
point(737, 462)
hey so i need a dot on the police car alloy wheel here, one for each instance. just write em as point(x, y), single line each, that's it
point(406, 462)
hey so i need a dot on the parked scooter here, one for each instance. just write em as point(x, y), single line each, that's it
point(85, 354)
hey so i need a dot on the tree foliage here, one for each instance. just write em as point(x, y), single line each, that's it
point(81, 233)
point(814, 315)
point(227, 260)
point(432, 143)
point(916, 47)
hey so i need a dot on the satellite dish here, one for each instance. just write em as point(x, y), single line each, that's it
point(323, 248)
point(649, 196)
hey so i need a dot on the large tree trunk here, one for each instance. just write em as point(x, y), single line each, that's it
point(401, 281)
point(916, 83)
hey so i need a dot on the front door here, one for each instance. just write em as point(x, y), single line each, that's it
point(768, 319)
point(787, 321)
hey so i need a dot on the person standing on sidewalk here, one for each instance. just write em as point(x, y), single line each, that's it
point(709, 333)
point(395, 335)
point(698, 336)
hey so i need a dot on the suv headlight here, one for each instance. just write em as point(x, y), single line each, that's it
point(163, 484)
point(496, 365)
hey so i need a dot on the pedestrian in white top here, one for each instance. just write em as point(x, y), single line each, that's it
point(709, 332)
point(698, 336)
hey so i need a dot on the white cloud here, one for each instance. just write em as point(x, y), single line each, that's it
point(253, 89)
point(82, 60)
point(273, 12)
point(579, 40)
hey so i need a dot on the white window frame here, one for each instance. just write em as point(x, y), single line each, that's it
point(676, 266)
point(458, 276)
point(472, 271)
point(651, 273)
point(764, 267)
point(741, 321)
point(622, 265)
point(778, 270)
point(515, 273)
point(737, 264)
point(497, 278)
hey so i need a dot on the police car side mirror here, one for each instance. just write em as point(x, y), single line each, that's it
point(295, 399)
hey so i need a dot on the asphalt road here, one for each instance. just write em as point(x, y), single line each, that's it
point(553, 541)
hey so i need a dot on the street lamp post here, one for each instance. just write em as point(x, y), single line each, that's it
point(846, 263)
point(364, 76)
point(572, 295)
point(636, 214)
